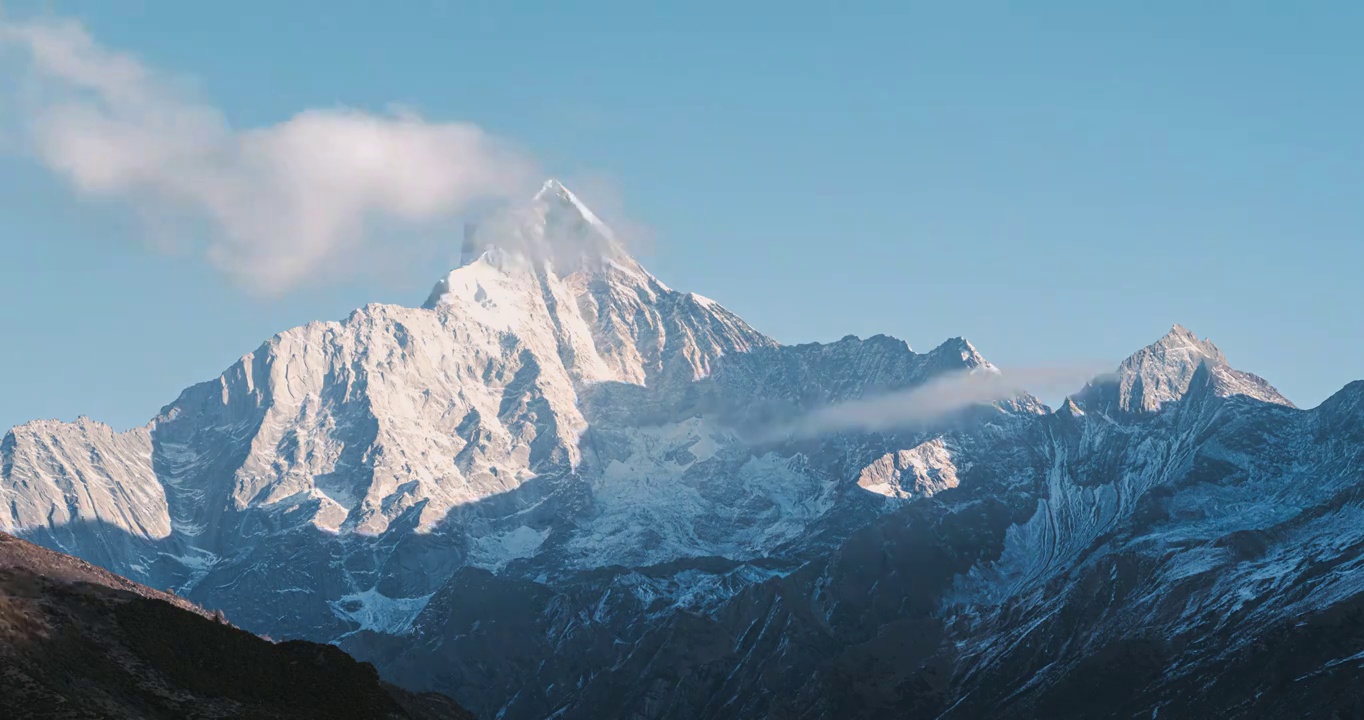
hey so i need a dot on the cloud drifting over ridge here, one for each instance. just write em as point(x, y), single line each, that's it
point(280, 202)
point(938, 398)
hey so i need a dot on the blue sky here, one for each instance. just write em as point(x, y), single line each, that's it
point(1058, 184)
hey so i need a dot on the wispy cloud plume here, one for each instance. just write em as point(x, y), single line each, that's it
point(937, 399)
point(279, 202)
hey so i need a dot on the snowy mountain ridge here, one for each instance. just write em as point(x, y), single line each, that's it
point(559, 469)
point(496, 425)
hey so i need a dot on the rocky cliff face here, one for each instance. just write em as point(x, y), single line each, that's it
point(556, 488)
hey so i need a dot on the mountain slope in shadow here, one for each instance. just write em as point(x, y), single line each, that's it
point(80, 642)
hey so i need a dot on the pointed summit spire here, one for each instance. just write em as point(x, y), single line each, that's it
point(1070, 409)
point(551, 234)
point(555, 198)
point(1180, 340)
point(552, 229)
point(1162, 372)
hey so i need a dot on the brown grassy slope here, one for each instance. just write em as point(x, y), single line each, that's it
point(79, 642)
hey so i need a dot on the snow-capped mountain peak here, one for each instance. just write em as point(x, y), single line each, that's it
point(554, 196)
point(1163, 372)
point(1070, 409)
point(553, 231)
point(970, 356)
point(559, 461)
point(553, 235)
point(552, 272)
point(1181, 340)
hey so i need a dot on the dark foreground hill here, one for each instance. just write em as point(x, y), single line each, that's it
point(79, 642)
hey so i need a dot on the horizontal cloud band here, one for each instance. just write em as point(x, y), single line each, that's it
point(938, 398)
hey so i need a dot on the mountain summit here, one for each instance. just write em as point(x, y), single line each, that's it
point(553, 272)
point(1164, 372)
point(554, 230)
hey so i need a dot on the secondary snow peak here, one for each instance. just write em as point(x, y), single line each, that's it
point(1162, 372)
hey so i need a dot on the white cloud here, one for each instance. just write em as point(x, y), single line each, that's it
point(280, 202)
point(937, 399)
